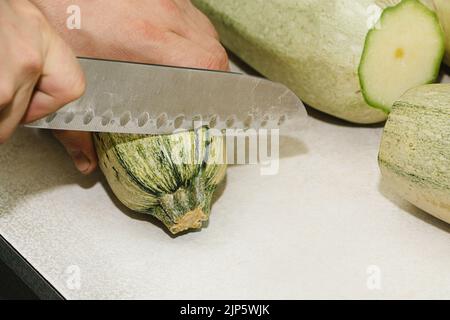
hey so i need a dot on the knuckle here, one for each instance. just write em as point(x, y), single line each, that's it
point(36, 18)
point(75, 87)
point(31, 61)
point(218, 59)
point(209, 28)
point(143, 30)
point(207, 25)
point(169, 5)
point(79, 86)
point(213, 31)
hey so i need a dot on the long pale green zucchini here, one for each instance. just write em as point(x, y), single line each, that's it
point(171, 177)
point(415, 150)
point(315, 47)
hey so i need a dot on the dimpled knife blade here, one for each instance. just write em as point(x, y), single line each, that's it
point(127, 97)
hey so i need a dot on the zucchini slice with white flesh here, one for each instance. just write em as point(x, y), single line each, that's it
point(403, 51)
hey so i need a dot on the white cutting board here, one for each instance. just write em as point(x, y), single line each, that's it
point(324, 227)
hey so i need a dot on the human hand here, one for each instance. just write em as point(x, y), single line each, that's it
point(170, 32)
point(39, 72)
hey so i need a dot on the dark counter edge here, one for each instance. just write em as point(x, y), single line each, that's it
point(26, 272)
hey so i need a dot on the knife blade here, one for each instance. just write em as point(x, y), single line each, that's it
point(126, 97)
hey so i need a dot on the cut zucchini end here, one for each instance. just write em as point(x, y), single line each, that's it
point(185, 209)
point(405, 50)
point(191, 220)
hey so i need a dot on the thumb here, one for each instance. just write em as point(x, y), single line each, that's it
point(80, 147)
point(62, 81)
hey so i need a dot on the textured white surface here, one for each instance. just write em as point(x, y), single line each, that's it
point(312, 231)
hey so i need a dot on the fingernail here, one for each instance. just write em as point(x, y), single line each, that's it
point(81, 161)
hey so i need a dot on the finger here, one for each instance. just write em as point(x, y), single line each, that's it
point(62, 81)
point(12, 113)
point(185, 53)
point(201, 20)
point(80, 147)
point(211, 45)
point(204, 23)
point(20, 73)
point(6, 93)
point(193, 25)
point(200, 37)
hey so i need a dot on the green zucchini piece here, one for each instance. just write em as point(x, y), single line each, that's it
point(171, 177)
point(405, 50)
point(443, 11)
point(315, 47)
point(415, 150)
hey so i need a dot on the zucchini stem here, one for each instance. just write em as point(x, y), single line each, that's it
point(187, 208)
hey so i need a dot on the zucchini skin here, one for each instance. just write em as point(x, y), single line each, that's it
point(312, 46)
point(171, 177)
point(443, 11)
point(415, 150)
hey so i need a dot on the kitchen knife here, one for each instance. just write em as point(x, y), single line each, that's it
point(127, 97)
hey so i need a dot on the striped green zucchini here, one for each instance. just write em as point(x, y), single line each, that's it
point(171, 177)
point(415, 150)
